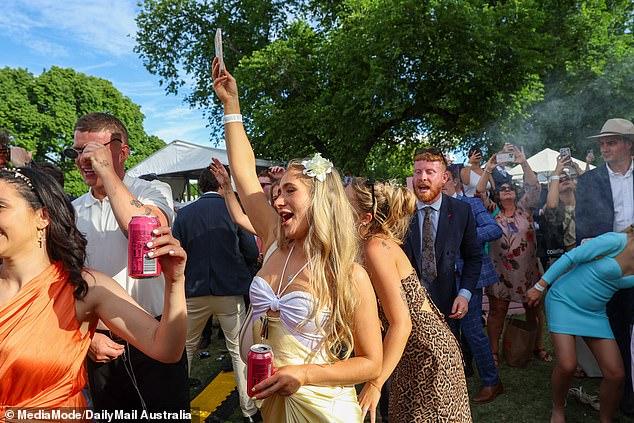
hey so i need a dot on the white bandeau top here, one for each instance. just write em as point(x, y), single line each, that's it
point(294, 308)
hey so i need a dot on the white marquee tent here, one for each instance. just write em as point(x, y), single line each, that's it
point(180, 161)
point(543, 163)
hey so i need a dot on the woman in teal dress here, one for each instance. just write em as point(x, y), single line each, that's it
point(583, 281)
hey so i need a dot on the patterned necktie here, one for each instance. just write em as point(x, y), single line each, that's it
point(428, 254)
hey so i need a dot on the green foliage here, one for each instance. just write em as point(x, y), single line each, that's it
point(40, 112)
point(351, 78)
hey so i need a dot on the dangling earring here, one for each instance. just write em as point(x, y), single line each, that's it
point(41, 237)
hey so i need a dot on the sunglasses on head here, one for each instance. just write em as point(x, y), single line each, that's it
point(73, 153)
point(430, 150)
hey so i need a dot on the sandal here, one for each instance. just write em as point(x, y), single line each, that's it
point(585, 398)
point(543, 355)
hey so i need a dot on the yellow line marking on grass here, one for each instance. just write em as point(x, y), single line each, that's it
point(213, 395)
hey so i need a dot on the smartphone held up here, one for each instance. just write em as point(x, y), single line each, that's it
point(219, 52)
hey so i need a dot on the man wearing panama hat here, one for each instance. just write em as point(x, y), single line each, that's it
point(605, 203)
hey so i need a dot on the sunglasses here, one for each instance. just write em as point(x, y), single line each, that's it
point(73, 153)
point(505, 188)
point(434, 151)
point(430, 150)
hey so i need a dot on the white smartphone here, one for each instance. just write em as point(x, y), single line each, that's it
point(503, 157)
point(219, 53)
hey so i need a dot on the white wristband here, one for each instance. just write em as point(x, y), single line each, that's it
point(538, 286)
point(231, 118)
point(554, 178)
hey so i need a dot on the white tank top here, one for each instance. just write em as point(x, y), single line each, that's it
point(470, 189)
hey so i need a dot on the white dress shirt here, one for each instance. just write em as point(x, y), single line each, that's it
point(623, 198)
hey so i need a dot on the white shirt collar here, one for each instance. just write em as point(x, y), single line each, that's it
point(435, 205)
point(627, 173)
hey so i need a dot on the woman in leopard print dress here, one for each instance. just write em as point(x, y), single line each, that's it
point(420, 352)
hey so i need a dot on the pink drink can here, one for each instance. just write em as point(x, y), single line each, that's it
point(139, 234)
point(259, 366)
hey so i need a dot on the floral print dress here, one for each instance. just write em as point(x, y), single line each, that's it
point(515, 254)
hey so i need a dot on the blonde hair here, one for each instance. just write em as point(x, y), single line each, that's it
point(392, 208)
point(331, 247)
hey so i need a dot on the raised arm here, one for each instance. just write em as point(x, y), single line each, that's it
point(231, 201)
point(383, 272)
point(481, 186)
point(165, 340)
point(242, 160)
point(530, 199)
point(363, 366)
point(124, 204)
point(552, 200)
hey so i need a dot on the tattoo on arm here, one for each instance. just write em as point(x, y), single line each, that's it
point(384, 244)
point(136, 203)
point(404, 297)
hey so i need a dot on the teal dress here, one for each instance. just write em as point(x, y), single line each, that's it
point(575, 304)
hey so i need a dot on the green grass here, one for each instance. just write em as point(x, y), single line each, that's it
point(526, 397)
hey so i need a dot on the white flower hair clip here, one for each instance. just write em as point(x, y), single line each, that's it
point(317, 167)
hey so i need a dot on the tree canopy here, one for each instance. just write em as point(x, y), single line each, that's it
point(40, 112)
point(362, 81)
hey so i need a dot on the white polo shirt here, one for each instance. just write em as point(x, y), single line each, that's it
point(623, 198)
point(107, 249)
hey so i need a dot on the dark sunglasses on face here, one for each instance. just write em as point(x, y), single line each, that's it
point(73, 153)
point(505, 188)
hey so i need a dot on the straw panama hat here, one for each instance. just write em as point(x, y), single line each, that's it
point(616, 127)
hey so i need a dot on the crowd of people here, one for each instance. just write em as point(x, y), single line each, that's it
point(351, 281)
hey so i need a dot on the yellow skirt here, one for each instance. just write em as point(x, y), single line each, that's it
point(309, 404)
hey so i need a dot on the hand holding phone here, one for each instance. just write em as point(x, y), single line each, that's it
point(219, 52)
point(566, 158)
point(590, 155)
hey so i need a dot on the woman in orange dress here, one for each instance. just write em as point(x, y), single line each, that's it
point(50, 304)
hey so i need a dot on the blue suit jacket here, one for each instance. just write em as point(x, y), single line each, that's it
point(220, 255)
point(455, 236)
point(488, 230)
point(594, 212)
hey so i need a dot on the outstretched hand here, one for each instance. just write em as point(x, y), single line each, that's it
point(225, 84)
point(561, 163)
point(221, 174)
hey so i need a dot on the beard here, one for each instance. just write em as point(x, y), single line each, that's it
point(429, 196)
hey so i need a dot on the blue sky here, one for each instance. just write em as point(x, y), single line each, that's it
point(95, 37)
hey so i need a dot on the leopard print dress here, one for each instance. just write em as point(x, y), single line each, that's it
point(428, 384)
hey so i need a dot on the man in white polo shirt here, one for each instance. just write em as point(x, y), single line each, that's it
point(122, 377)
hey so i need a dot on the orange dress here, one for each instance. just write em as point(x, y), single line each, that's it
point(42, 349)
